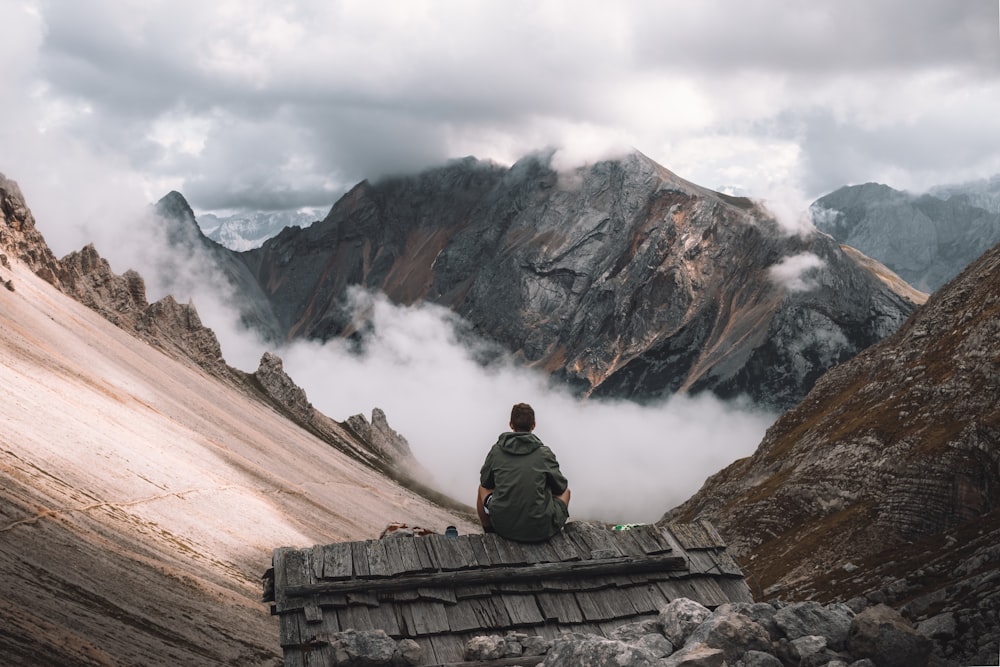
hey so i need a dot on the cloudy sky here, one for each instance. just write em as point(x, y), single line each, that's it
point(274, 105)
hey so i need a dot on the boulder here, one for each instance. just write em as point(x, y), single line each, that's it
point(580, 651)
point(802, 619)
point(731, 632)
point(882, 635)
point(696, 655)
point(680, 618)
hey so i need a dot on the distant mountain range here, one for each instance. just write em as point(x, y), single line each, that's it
point(244, 231)
point(927, 239)
point(619, 278)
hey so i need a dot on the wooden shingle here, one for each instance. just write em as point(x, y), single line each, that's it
point(441, 591)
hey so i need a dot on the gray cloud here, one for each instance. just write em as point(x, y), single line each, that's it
point(267, 106)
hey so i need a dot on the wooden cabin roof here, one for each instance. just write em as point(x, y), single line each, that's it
point(442, 591)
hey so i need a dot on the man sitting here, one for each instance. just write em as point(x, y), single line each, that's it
point(523, 495)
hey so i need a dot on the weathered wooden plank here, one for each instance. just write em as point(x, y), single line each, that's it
point(447, 555)
point(628, 543)
point(727, 564)
point(519, 587)
point(705, 590)
point(604, 605)
point(735, 589)
point(601, 540)
point(490, 541)
point(522, 609)
point(643, 535)
point(475, 542)
point(288, 630)
point(395, 562)
point(564, 548)
point(425, 618)
point(384, 617)
point(474, 591)
point(365, 598)
point(338, 562)
point(696, 535)
point(446, 595)
point(354, 618)
point(316, 558)
point(540, 571)
point(465, 552)
point(701, 562)
point(359, 559)
point(490, 613)
point(425, 555)
point(559, 607)
point(539, 552)
point(447, 649)
point(510, 553)
point(311, 611)
point(378, 560)
point(646, 599)
point(462, 616)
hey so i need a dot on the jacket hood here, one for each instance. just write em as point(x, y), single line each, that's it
point(518, 443)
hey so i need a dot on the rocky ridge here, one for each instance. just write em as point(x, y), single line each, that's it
point(619, 278)
point(885, 481)
point(177, 329)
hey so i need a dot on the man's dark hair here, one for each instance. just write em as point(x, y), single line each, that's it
point(522, 417)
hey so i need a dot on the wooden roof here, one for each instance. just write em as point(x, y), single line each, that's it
point(442, 591)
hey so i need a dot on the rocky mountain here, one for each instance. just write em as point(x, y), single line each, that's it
point(619, 278)
point(245, 231)
point(144, 483)
point(984, 193)
point(926, 239)
point(885, 481)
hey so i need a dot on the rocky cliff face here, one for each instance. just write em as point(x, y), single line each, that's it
point(926, 239)
point(619, 278)
point(885, 480)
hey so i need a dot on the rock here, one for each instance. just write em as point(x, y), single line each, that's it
point(655, 644)
point(357, 648)
point(680, 618)
point(759, 659)
point(811, 618)
point(881, 634)
point(410, 652)
point(282, 389)
point(797, 650)
point(535, 645)
point(577, 651)
point(942, 626)
point(731, 632)
point(632, 631)
point(487, 647)
point(695, 655)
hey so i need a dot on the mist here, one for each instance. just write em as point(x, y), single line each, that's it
point(424, 368)
point(625, 462)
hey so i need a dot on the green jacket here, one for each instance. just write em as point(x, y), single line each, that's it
point(525, 479)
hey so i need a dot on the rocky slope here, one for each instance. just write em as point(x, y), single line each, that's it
point(144, 484)
point(619, 278)
point(926, 239)
point(885, 480)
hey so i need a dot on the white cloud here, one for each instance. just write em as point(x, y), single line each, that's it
point(792, 272)
point(625, 462)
